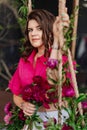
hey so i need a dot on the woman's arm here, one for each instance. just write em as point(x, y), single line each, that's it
point(53, 73)
point(27, 107)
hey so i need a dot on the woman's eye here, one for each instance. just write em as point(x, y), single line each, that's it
point(39, 28)
point(29, 30)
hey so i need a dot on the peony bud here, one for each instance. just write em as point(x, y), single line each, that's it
point(7, 107)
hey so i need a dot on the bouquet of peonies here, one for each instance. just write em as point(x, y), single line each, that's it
point(37, 92)
point(40, 94)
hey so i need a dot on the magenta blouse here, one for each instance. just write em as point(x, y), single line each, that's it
point(25, 72)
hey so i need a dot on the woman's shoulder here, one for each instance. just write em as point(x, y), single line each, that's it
point(21, 61)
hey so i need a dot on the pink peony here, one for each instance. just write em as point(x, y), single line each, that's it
point(74, 64)
point(45, 124)
point(27, 92)
point(84, 105)
point(7, 107)
point(66, 127)
point(64, 59)
point(68, 91)
point(21, 115)
point(7, 118)
point(68, 75)
point(37, 79)
point(52, 63)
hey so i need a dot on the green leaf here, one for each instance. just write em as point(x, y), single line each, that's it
point(81, 98)
point(54, 81)
point(23, 11)
point(37, 125)
point(52, 90)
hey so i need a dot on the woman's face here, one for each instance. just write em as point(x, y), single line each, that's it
point(35, 34)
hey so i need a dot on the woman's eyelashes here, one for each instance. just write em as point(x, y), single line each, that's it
point(30, 30)
point(37, 29)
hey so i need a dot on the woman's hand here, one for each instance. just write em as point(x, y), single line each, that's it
point(28, 108)
point(56, 29)
point(65, 18)
point(62, 20)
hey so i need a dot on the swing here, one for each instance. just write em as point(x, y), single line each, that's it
point(62, 4)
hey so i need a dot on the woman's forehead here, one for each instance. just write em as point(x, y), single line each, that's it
point(33, 22)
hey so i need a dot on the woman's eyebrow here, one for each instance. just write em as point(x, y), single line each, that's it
point(35, 27)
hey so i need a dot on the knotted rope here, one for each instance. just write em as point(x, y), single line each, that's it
point(61, 43)
point(62, 4)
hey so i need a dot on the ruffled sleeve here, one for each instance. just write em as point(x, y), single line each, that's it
point(14, 83)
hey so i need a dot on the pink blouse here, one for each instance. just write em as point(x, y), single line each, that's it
point(25, 72)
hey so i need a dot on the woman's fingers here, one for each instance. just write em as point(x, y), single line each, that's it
point(66, 9)
point(65, 18)
point(56, 26)
point(29, 109)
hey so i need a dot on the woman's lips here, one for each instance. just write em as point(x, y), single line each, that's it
point(35, 39)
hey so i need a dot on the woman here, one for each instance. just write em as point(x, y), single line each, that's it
point(41, 42)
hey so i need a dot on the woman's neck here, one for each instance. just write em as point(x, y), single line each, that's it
point(40, 51)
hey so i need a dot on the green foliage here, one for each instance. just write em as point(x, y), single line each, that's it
point(17, 120)
point(16, 123)
point(75, 118)
point(22, 9)
point(22, 12)
point(68, 33)
point(30, 121)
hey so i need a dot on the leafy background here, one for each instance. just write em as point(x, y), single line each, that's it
point(12, 25)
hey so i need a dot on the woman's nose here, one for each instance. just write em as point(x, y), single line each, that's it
point(34, 32)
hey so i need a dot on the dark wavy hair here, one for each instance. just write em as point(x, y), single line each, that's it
point(45, 19)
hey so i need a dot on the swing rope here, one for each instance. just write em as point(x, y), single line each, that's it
point(29, 6)
point(61, 43)
point(61, 7)
point(75, 13)
point(62, 4)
